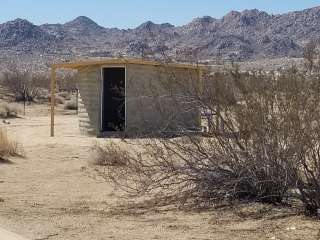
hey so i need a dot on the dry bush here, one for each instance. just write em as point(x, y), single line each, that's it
point(262, 144)
point(43, 95)
point(71, 105)
point(7, 147)
point(274, 131)
point(23, 84)
point(110, 155)
point(238, 159)
point(188, 170)
point(308, 180)
point(311, 57)
point(65, 95)
point(9, 110)
point(59, 100)
point(66, 81)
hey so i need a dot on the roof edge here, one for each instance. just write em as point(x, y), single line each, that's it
point(81, 64)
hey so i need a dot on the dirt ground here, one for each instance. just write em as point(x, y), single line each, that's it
point(53, 194)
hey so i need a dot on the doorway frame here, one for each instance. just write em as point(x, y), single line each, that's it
point(102, 97)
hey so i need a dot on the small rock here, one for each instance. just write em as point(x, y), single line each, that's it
point(5, 121)
point(291, 228)
point(83, 169)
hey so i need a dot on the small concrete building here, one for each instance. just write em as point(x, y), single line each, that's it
point(135, 96)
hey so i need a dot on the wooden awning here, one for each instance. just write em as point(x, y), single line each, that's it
point(93, 62)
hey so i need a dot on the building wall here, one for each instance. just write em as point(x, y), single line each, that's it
point(89, 82)
point(157, 99)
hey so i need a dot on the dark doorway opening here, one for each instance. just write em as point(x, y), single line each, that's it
point(113, 104)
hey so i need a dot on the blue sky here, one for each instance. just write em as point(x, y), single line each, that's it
point(131, 13)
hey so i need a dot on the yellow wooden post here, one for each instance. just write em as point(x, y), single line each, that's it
point(53, 91)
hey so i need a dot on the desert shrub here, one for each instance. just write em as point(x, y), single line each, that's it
point(9, 110)
point(24, 84)
point(110, 155)
point(240, 158)
point(66, 81)
point(19, 84)
point(71, 105)
point(308, 182)
point(305, 117)
point(7, 147)
point(59, 100)
point(175, 170)
point(42, 96)
point(65, 95)
point(262, 144)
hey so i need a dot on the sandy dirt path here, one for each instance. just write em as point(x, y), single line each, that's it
point(6, 235)
point(52, 194)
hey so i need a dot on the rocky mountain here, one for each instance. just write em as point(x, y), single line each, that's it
point(23, 35)
point(247, 35)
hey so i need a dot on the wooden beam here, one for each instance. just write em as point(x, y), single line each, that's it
point(53, 91)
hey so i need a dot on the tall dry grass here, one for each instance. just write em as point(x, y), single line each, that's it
point(8, 147)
